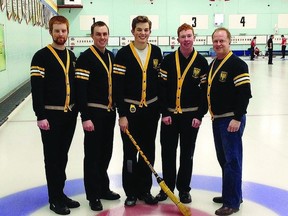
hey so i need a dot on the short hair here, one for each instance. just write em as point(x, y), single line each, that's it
point(282, 35)
point(98, 23)
point(58, 20)
point(141, 19)
point(223, 29)
point(185, 27)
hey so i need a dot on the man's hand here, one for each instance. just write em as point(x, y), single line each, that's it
point(167, 120)
point(233, 126)
point(123, 123)
point(196, 123)
point(88, 125)
point(43, 124)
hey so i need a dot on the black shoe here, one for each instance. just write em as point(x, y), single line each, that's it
point(96, 205)
point(71, 203)
point(270, 63)
point(130, 201)
point(185, 197)
point(148, 199)
point(110, 195)
point(59, 208)
point(220, 200)
point(226, 211)
point(161, 196)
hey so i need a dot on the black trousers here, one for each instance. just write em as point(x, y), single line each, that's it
point(270, 56)
point(252, 55)
point(283, 49)
point(56, 144)
point(170, 134)
point(98, 147)
point(136, 175)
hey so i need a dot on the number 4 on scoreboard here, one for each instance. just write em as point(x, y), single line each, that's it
point(242, 21)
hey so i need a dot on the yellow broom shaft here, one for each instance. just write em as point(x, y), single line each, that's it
point(182, 208)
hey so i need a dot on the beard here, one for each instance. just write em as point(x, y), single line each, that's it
point(60, 41)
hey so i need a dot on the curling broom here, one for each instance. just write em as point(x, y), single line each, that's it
point(182, 208)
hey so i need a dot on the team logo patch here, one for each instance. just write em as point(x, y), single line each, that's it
point(155, 63)
point(223, 76)
point(196, 72)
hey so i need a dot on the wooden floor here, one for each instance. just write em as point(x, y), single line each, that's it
point(265, 176)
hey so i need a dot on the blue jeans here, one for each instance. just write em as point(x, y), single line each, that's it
point(229, 154)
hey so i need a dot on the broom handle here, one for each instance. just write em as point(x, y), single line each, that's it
point(182, 208)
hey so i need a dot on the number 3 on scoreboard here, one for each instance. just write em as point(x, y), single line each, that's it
point(194, 22)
